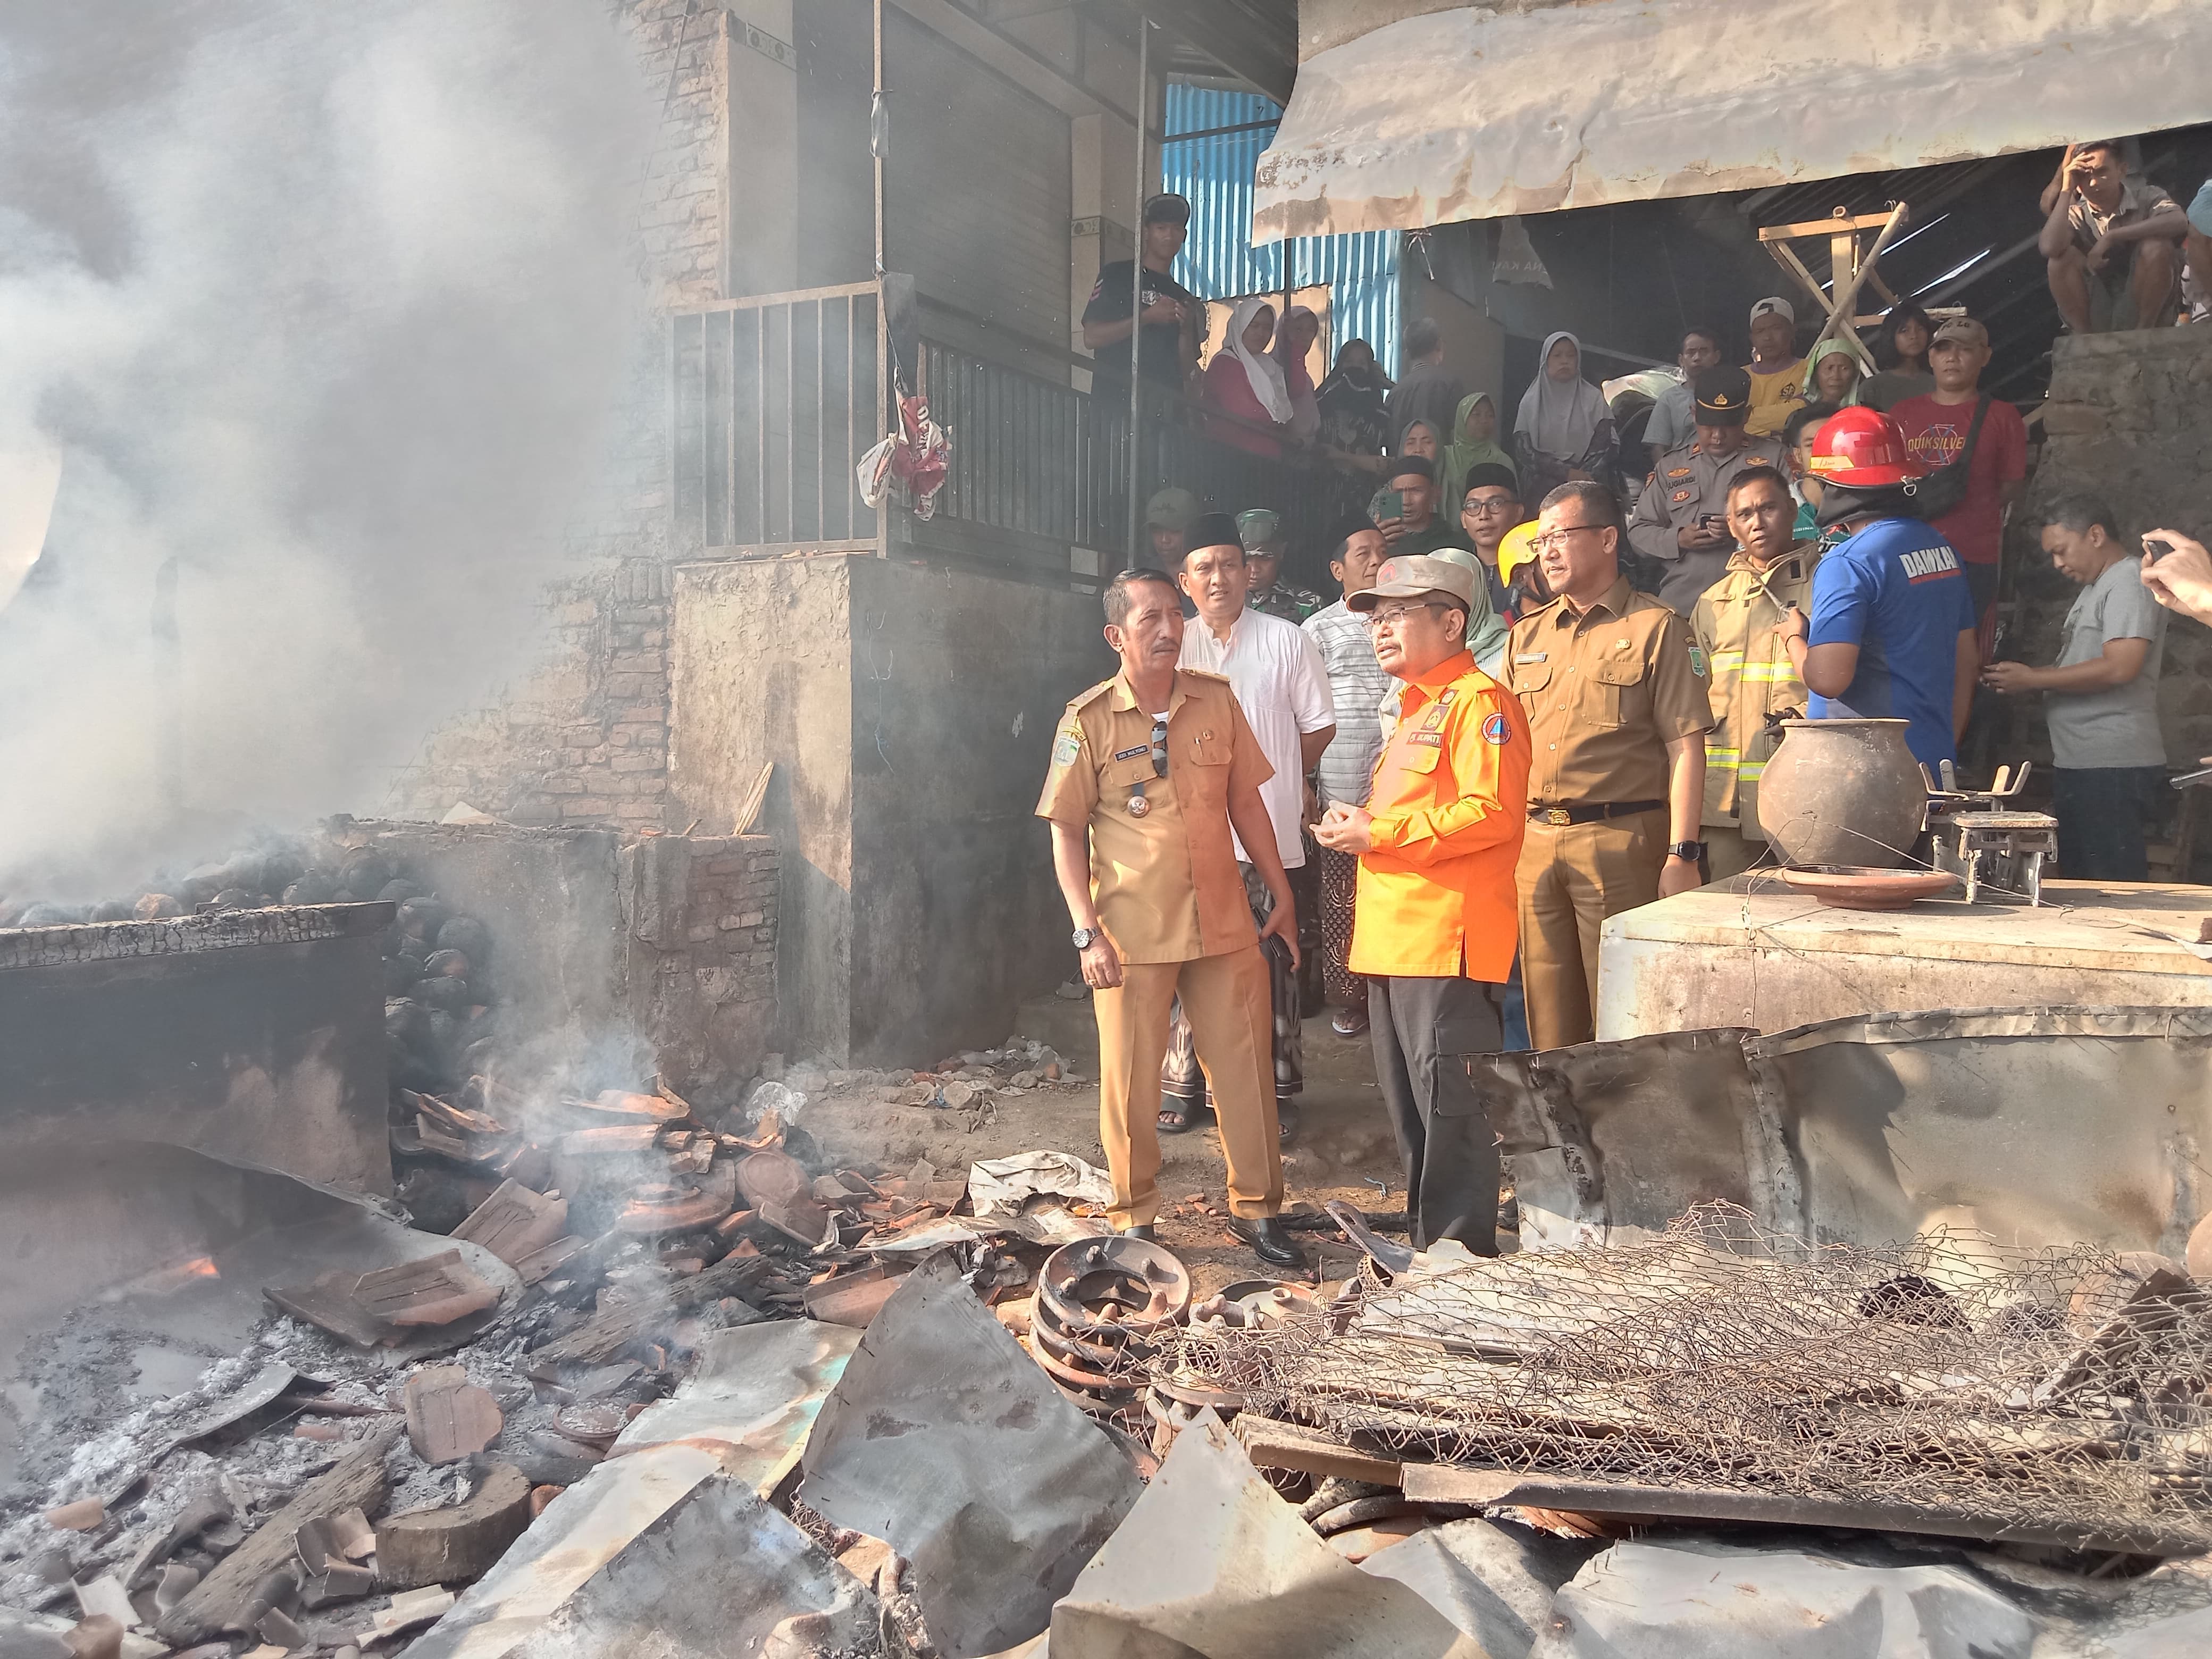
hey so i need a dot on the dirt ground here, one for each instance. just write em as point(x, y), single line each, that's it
point(1343, 1148)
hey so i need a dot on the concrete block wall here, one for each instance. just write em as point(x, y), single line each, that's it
point(908, 712)
point(2129, 419)
point(702, 919)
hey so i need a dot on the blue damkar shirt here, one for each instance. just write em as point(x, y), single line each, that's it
point(1896, 590)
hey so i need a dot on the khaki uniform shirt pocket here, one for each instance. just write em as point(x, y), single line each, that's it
point(1613, 694)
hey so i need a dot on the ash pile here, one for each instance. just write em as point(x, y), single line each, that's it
point(925, 1415)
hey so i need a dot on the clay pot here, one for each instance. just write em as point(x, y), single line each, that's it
point(1843, 791)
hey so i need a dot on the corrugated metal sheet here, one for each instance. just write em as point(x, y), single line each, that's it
point(1480, 111)
point(1219, 261)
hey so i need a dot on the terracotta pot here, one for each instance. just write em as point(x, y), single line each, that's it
point(1843, 791)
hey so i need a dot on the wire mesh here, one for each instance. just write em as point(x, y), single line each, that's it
point(2059, 1391)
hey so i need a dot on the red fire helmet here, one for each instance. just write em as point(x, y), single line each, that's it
point(1863, 448)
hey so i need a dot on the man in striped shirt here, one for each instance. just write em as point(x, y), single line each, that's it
point(1346, 768)
point(1749, 677)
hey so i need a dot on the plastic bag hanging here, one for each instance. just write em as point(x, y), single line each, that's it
point(917, 457)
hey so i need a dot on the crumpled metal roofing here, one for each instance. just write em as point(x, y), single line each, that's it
point(1473, 113)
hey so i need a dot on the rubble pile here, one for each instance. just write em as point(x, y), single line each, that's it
point(807, 1427)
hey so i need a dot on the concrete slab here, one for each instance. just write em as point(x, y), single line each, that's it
point(1750, 952)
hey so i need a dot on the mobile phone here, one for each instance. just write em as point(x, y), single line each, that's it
point(2157, 546)
point(2190, 779)
point(1712, 521)
point(1389, 504)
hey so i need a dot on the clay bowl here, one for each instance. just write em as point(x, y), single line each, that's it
point(1855, 887)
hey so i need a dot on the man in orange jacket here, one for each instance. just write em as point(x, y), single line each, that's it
point(1436, 915)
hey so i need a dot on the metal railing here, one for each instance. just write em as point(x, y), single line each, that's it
point(776, 399)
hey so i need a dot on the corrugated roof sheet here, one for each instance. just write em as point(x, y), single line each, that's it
point(1219, 261)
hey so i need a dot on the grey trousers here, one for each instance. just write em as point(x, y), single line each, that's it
point(1420, 1028)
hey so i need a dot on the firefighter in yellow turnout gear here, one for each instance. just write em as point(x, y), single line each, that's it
point(1750, 680)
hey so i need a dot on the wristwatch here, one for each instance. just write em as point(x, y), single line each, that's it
point(1082, 936)
point(1692, 850)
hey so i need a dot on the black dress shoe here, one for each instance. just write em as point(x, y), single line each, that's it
point(1143, 1230)
point(1269, 1240)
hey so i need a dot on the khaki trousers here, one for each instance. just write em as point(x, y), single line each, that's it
point(1572, 877)
point(1226, 998)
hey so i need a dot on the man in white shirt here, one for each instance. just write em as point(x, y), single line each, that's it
point(1277, 674)
point(1358, 684)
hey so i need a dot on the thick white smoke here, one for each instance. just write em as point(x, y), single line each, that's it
point(331, 305)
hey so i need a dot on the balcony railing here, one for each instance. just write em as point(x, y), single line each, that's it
point(775, 400)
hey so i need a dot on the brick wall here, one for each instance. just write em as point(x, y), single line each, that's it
point(702, 919)
point(2129, 419)
point(582, 741)
point(583, 738)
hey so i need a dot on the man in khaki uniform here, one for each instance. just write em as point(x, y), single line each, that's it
point(1681, 519)
point(1149, 769)
point(1617, 714)
point(1751, 682)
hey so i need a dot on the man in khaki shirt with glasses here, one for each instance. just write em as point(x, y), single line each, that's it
point(1149, 770)
point(1615, 695)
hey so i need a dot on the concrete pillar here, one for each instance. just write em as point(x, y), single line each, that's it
point(910, 712)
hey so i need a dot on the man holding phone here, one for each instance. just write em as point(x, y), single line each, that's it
point(1681, 524)
point(1405, 509)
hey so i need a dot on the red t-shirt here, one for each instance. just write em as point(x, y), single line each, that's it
point(1229, 389)
point(1935, 434)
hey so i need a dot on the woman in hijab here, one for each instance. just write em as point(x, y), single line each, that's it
point(1473, 443)
point(1421, 439)
point(1300, 329)
point(1902, 349)
point(1353, 426)
point(1832, 375)
point(1563, 429)
point(1242, 380)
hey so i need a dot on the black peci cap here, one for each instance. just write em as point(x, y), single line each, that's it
point(1723, 396)
point(1213, 530)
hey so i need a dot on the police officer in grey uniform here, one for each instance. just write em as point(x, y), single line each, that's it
point(1681, 520)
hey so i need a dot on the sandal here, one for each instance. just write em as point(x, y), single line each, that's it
point(1177, 1114)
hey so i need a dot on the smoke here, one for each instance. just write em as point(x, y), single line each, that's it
point(327, 310)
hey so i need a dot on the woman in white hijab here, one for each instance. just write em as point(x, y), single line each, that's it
point(1244, 381)
point(1564, 430)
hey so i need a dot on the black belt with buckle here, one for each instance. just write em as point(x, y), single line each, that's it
point(1592, 811)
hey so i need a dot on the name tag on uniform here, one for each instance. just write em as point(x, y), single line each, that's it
point(1434, 739)
point(1532, 656)
point(1132, 754)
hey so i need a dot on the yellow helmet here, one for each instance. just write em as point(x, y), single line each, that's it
point(1518, 547)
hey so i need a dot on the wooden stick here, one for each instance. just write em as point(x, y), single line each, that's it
point(220, 1601)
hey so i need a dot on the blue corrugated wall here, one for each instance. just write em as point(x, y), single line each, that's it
point(1220, 260)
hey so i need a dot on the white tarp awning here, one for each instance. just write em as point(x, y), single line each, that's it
point(1474, 114)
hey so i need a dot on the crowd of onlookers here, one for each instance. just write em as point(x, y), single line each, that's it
point(1556, 663)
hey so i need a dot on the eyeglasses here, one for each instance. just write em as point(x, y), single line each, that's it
point(1552, 538)
point(1160, 746)
point(1495, 504)
point(1389, 615)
